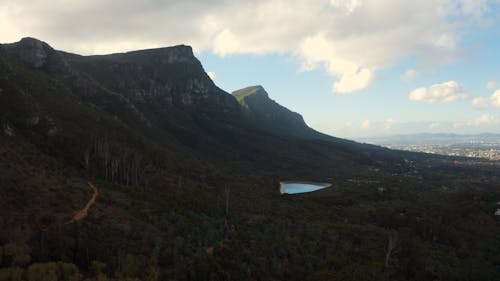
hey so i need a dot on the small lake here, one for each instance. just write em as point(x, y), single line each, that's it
point(294, 187)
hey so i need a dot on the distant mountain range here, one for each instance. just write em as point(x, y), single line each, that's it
point(433, 139)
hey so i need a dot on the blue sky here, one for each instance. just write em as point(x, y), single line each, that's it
point(340, 63)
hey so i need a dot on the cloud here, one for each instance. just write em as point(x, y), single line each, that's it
point(491, 85)
point(352, 82)
point(439, 93)
point(409, 75)
point(212, 75)
point(495, 98)
point(350, 39)
point(483, 120)
point(482, 102)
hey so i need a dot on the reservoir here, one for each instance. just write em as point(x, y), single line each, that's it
point(294, 187)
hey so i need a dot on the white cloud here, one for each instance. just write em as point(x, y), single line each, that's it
point(212, 75)
point(495, 98)
point(351, 82)
point(483, 120)
point(491, 85)
point(409, 75)
point(350, 39)
point(481, 102)
point(439, 93)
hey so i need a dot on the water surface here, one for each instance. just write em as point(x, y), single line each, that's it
point(294, 187)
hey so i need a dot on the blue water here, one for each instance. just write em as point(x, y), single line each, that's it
point(297, 187)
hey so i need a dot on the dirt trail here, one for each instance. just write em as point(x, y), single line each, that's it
point(83, 212)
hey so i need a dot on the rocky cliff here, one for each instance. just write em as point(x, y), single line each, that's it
point(267, 114)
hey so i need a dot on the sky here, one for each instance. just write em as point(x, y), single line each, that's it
point(352, 68)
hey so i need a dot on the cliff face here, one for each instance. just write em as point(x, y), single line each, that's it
point(159, 80)
point(266, 114)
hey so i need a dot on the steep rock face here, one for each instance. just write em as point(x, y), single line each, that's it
point(164, 80)
point(164, 88)
point(267, 114)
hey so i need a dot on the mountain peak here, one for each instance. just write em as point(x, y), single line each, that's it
point(31, 41)
point(268, 115)
point(31, 50)
point(257, 90)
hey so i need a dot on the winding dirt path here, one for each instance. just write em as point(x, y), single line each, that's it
point(84, 212)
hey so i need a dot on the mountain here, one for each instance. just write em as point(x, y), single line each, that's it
point(164, 98)
point(268, 115)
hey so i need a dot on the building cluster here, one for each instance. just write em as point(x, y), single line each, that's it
point(463, 151)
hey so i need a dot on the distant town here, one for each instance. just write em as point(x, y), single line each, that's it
point(486, 146)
